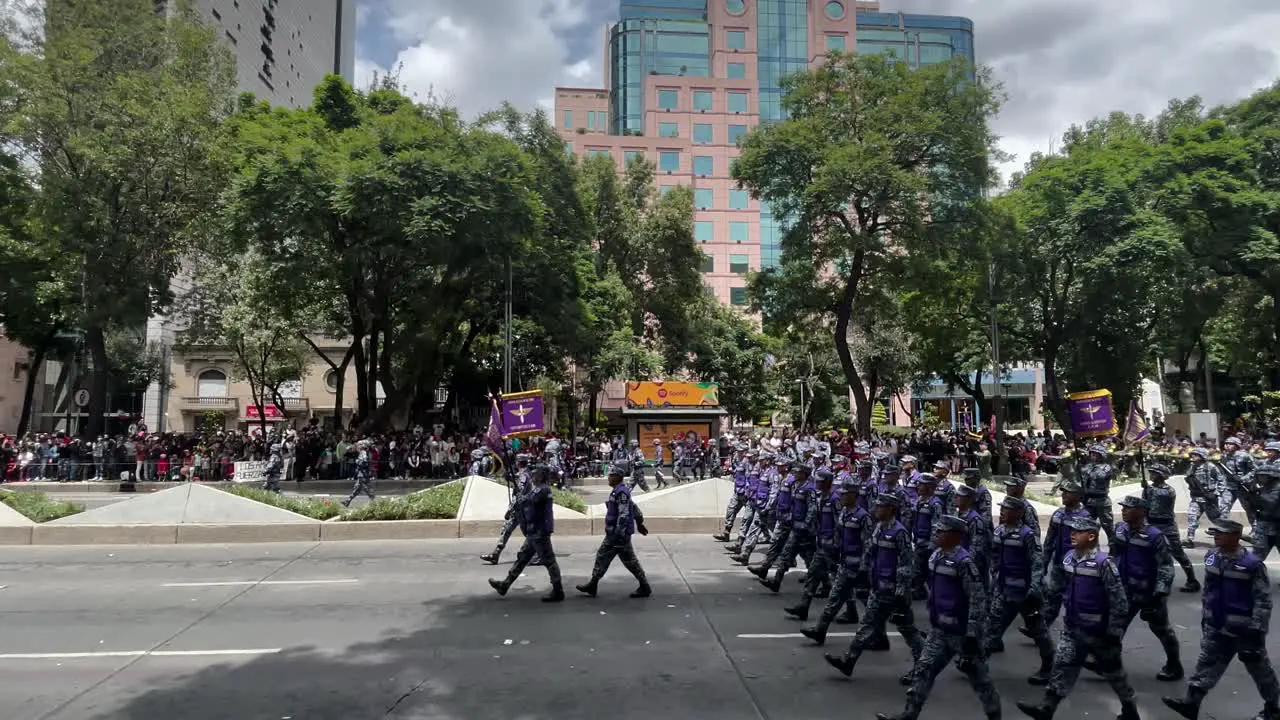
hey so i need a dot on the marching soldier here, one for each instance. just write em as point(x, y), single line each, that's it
point(1205, 484)
point(512, 517)
point(1239, 467)
point(1265, 498)
point(957, 612)
point(825, 560)
point(1160, 497)
point(978, 539)
point(363, 480)
point(1018, 563)
point(274, 467)
point(622, 520)
point(636, 459)
point(946, 489)
point(890, 561)
point(981, 495)
point(1142, 556)
point(798, 476)
point(538, 523)
point(1236, 618)
point(1095, 478)
point(738, 500)
point(767, 493)
point(1015, 487)
point(1058, 542)
point(1094, 623)
point(852, 534)
point(804, 521)
point(756, 483)
point(928, 509)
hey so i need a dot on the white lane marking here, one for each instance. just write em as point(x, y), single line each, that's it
point(138, 653)
point(242, 583)
point(783, 636)
point(725, 571)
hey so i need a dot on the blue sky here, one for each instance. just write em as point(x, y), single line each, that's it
point(1061, 61)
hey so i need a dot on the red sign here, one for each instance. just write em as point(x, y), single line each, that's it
point(270, 411)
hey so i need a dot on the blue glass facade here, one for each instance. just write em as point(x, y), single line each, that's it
point(782, 46)
point(919, 39)
point(639, 47)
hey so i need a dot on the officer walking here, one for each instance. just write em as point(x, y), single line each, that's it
point(363, 479)
point(1018, 567)
point(1016, 487)
point(981, 496)
point(978, 538)
point(1058, 543)
point(1239, 467)
point(890, 560)
point(798, 476)
point(853, 533)
point(1265, 498)
point(1160, 497)
point(957, 613)
point(1142, 556)
point(1205, 484)
point(766, 499)
point(512, 516)
point(825, 557)
point(622, 519)
point(275, 465)
point(1094, 623)
point(538, 523)
point(1235, 620)
point(1095, 477)
point(928, 509)
point(804, 523)
point(738, 500)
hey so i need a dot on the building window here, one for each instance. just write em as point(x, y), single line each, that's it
point(568, 119)
point(738, 199)
point(668, 99)
point(668, 130)
point(736, 132)
point(835, 10)
point(703, 165)
point(738, 232)
point(602, 120)
point(595, 153)
point(835, 42)
point(568, 148)
point(702, 134)
point(738, 296)
point(739, 264)
point(708, 264)
point(703, 198)
point(735, 7)
point(669, 161)
point(591, 119)
point(737, 102)
point(664, 190)
point(736, 39)
point(631, 155)
point(211, 384)
point(704, 231)
point(737, 71)
point(331, 381)
point(702, 100)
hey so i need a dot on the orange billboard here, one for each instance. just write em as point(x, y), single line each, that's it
point(646, 433)
point(646, 394)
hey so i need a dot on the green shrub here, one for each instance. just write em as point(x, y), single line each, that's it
point(437, 503)
point(37, 506)
point(569, 499)
point(316, 508)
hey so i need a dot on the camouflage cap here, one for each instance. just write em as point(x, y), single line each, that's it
point(800, 467)
point(909, 459)
point(1013, 503)
point(1133, 501)
point(1159, 469)
point(950, 523)
point(1226, 527)
point(825, 475)
point(940, 464)
point(891, 470)
point(890, 499)
point(1099, 448)
point(1014, 481)
point(1200, 452)
point(851, 486)
point(1233, 441)
point(964, 491)
point(1083, 523)
point(971, 473)
point(927, 479)
point(619, 470)
point(1274, 446)
point(1070, 486)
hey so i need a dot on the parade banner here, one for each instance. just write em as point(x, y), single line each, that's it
point(522, 414)
point(250, 471)
point(672, 394)
point(1136, 429)
point(1091, 414)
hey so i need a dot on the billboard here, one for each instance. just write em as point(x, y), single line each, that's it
point(666, 432)
point(676, 394)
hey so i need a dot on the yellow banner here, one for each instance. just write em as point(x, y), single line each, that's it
point(647, 394)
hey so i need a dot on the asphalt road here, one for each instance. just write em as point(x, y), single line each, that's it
point(410, 630)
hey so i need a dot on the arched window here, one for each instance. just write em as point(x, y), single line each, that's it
point(211, 383)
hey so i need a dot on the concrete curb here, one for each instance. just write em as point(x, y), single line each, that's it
point(328, 486)
point(317, 532)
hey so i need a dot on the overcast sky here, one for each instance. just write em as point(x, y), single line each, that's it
point(1061, 61)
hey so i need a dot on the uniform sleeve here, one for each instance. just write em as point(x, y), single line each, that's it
point(1164, 565)
point(635, 510)
point(1117, 600)
point(976, 591)
point(906, 565)
point(1051, 541)
point(1031, 518)
point(811, 512)
point(774, 486)
point(1055, 582)
point(1261, 600)
point(1035, 556)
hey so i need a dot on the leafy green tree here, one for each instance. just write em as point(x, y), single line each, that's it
point(872, 154)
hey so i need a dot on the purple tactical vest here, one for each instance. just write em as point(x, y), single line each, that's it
point(800, 503)
point(1228, 590)
point(948, 603)
point(538, 515)
point(827, 520)
point(884, 561)
point(1137, 558)
point(1015, 568)
point(621, 494)
point(926, 513)
point(783, 506)
point(760, 492)
point(852, 522)
point(740, 481)
point(1086, 594)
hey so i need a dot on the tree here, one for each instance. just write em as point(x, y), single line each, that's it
point(117, 107)
point(873, 154)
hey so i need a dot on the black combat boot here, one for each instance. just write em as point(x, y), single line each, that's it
point(760, 571)
point(906, 678)
point(843, 663)
point(849, 616)
point(499, 585)
point(1189, 706)
point(774, 585)
point(799, 612)
point(1043, 710)
point(814, 634)
point(556, 595)
point(996, 646)
point(879, 643)
point(643, 591)
point(733, 548)
point(721, 537)
point(740, 559)
point(491, 558)
point(1041, 677)
point(1171, 671)
point(588, 588)
point(1192, 585)
point(1128, 711)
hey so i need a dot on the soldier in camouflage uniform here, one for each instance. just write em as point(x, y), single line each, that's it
point(1239, 467)
point(1145, 562)
point(804, 523)
point(852, 536)
point(1095, 478)
point(1058, 543)
point(981, 496)
point(890, 563)
point(537, 521)
point(622, 520)
point(791, 484)
point(957, 613)
point(275, 465)
point(1205, 483)
point(977, 539)
point(826, 556)
point(928, 509)
point(1018, 562)
point(1236, 617)
point(739, 499)
point(1094, 623)
point(1015, 487)
point(1265, 497)
point(1160, 497)
point(512, 517)
point(364, 478)
point(765, 499)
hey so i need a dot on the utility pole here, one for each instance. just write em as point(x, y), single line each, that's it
point(506, 343)
point(997, 403)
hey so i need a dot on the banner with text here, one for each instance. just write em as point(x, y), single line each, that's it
point(250, 471)
point(522, 414)
point(1091, 414)
point(647, 394)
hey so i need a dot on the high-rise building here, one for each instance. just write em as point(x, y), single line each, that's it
point(687, 78)
point(284, 48)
